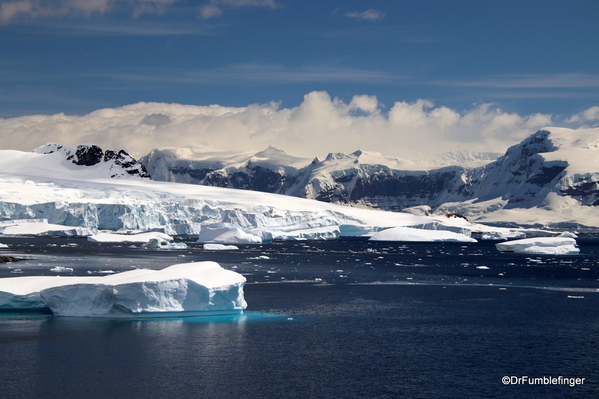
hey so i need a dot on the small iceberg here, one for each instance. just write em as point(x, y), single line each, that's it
point(541, 246)
point(187, 289)
point(158, 243)
point(223, 233)
point(220, 247)
point(61, 269)
point(424, 235)
point(129, 238)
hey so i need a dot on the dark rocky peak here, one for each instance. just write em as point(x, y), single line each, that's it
point(120, 163)
point(87, 155)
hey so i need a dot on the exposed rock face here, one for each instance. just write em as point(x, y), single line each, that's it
point(87, 155)
point(118, 163)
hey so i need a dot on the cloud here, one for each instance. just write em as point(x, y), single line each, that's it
point(215, 7)
point(368, 15)
point(588, 115)
point(9, 10)
point(319, 125)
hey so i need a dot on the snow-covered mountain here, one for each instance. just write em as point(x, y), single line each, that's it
point(551, 176)
point(549, 180)
point(47, 187)
point(338, 178)
point(84, 160)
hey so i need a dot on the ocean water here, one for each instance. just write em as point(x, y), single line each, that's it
point(335, 319)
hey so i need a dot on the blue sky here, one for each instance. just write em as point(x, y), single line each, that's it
point(527, 56)
point(77, 56)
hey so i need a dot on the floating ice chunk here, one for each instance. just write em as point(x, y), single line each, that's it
point(139, 238)
point(224, 233)
point(568, 234)
point(3, 245)
point(315, 233)
point(220, 247)
point(61, 269)
point(158, 243)
point(412, 234)
point(541, 245)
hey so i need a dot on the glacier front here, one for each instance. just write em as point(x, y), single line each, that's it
point(187, 289)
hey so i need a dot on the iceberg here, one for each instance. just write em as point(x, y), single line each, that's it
point(224, 233)
point(541, 246)
point(187, 289)
point(412, 234)
point(220, 247)
point(157, 243)
point(61, 269)
point(134, 238)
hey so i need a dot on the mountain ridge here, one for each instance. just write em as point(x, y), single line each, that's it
point(544, 171)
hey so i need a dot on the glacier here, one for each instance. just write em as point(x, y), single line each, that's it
point(186, 289)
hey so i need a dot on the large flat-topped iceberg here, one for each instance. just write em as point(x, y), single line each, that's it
point(187, 289)
point(541, 246)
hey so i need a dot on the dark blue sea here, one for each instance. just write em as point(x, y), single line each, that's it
point(325, 319)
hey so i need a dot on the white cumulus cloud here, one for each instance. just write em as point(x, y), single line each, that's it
point(319, 125)
point(588, 115)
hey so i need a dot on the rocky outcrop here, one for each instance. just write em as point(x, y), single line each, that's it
point(118, 163)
